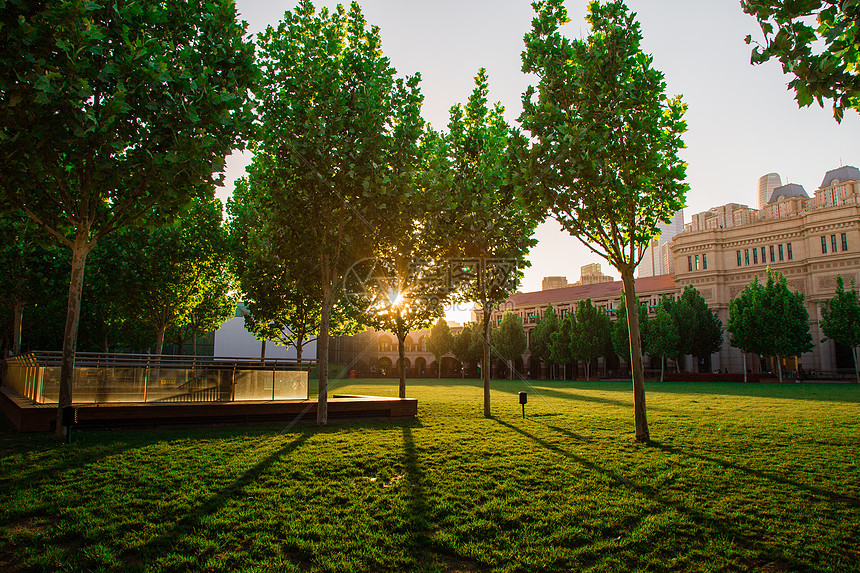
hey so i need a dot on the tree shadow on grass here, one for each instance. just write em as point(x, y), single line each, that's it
point(544, 392)
point(421, 546)
point(756, 473)
point(811, 391)
point(66, 460)
point(416, 500)
point(718, 526)
point(194, 518)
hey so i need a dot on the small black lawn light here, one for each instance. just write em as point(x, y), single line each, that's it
point(524, 398)
point(69, 419)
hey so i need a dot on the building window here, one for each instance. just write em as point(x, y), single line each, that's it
point(790, 255)
point(697, 262)
point(833, 243)
point(781, 257)
point(739, 258)
point(746, 256)
point(844, 241)
point(755, 256)
point(705, 261)
point(763, 255)
point(772, 257)
point(823, 245)
point(690, 263)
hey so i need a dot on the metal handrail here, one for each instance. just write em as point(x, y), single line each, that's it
point(46, 358)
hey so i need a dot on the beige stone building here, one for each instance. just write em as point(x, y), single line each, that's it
point(808, 239)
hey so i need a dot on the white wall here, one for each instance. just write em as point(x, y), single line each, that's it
point(234, 341)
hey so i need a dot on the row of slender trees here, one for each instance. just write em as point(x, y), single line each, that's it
point(685, 326)
point(147, 284)
point(767, 319)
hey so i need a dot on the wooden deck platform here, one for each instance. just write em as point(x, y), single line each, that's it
point(29, 417)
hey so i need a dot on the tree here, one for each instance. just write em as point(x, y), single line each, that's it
point(744, 321)
point(463, 347)
point(439, 342)
point(509, 340)
point(770, 320)
point(476, 348)
point(840, 319)
point(823, 56)
point(590, 335)
point(30, 269)
point(114, 112)
point(399, 290)
point(672, 307)
point(217, 305)
point(606, 140)
point(283, 298)
point(663, 337)
point(159, 275)
point(700, 329)
point(492, 226)
point(106, 321)
point(540, 338)
point(327, 104)
point(559, 345)
point(620, 330)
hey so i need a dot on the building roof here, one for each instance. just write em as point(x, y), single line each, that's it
point(844, 173)
point(594, 292)
point(786, 191)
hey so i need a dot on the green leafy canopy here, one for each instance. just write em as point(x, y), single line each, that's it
point(816, 41)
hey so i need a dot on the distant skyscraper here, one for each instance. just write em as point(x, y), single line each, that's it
point(766, 185)
point(655, 262)
point(553, 282)
point(592, 275)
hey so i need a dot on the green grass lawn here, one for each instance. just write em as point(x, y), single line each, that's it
point(740, 477)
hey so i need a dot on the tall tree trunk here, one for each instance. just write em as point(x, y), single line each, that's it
point(745, 364)
point(159, 339)
point(401, 352)
point(438, 368)
point(18, 311)
point(300, 345)
point(486, 359)
point(80, 250)
point(510, 369)
point(194, 343)
point(639, 412)
point(263, 351)
point(662, 366)
point(322, 345)
point(856, 370)
point(779, 366)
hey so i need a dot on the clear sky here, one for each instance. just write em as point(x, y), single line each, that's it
point(742, 120)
